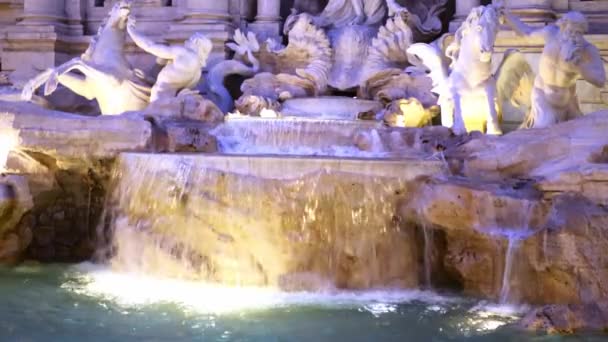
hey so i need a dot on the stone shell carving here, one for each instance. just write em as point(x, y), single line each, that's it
point(280, 72)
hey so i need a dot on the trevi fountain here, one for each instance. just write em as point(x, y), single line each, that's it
point(303, 170)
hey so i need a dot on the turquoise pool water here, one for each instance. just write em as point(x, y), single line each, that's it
point(86, 303)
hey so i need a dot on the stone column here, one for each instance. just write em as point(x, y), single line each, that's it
point(463, 8)
point(210, 17)
point(44, 13)
point(268, 19)
point(535, 12)
point(45, 37)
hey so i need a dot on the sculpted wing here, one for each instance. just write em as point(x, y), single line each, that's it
point(430, 57)
point(514, 83)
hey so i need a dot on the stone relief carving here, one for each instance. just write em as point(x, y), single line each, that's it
point(106, 76)
point(467, 88)
point(299, 69)
point(354, 25)
point(350, 46)
point(566, 57)
point(423, 15)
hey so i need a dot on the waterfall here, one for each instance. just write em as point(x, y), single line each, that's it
point(515, 229)
point(545, 241)
point(428, 256)
point(292, 223)
point(512, 247)
point(307, 137)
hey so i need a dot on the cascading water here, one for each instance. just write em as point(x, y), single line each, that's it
point(428, 256)
point(505, 290)
point(297, 136)
point(292, 223)
point(514, 235)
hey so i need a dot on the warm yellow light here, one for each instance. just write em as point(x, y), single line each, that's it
point(487, 318)
point(8, 142)
point(137, 290)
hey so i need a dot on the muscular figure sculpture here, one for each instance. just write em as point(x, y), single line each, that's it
point(360, 12)
point(566, 57)
point(184, 64)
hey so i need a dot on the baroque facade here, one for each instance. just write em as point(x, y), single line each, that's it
point(45, 33)
point(37, 34)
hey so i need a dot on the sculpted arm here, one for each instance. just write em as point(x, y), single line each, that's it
point(592, 67)
point(146, 44)
point(521, 28)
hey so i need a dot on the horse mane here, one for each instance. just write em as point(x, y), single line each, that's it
point(483, 14)
point(88, 54)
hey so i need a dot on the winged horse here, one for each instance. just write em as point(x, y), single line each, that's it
point(467, 88)
point(104, 72)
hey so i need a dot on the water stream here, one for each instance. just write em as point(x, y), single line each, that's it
point(428, 256)
point(505, 292)
point(302, 137)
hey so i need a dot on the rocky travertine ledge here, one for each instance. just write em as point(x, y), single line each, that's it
point(69, 136)
point(288, 222)
point(63, 161)
point(524, 219)
point(525, 208)
point(15, 202)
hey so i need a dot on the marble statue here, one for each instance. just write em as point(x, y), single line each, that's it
point(386, 72)
point(566, 57)
point(183, 64)
point(467, 88)
point(104, 72)
point(329, 52)
point(354, 25)
point(424, 15)
point(299, 69)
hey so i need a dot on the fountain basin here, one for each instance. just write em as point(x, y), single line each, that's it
point(329, 107)
point(292, 136)
point(287, 222)
point(325, 137)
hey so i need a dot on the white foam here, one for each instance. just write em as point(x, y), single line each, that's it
point(136, 290)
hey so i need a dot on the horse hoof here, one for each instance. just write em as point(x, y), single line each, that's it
point(459, 130)
point(27, 94)
point(495, 131)
point(51, 85)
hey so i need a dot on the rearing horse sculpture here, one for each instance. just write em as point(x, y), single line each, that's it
point(466, 88)
point(106, 75)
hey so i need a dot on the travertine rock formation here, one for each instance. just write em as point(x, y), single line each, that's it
point(523, 219)
point(65, 161)
point(292, 223)
point(15, 229)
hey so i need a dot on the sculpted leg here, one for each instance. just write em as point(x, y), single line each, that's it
point(162, 90)
point(459, 126)
point(574, 111)
point(78, 84)
point(493, 126)
point(542, 114)
point(31, 86)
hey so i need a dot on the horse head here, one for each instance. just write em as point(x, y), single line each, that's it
point(119, 15)
point(477, 34)
point(297, 23)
